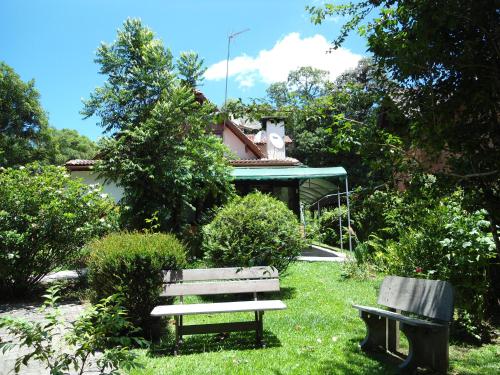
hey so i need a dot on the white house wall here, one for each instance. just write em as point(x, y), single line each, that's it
point(236, 145)
point(113, 191)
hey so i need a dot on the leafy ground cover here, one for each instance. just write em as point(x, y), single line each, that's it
point(318, 334)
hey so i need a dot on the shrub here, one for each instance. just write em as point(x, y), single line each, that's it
point(438, 240)
point(132, 262)
point(254, 230)
point(329, 226)
point(45, 218)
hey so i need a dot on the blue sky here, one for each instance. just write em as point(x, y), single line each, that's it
point(54, 42)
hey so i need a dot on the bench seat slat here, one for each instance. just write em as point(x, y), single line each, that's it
point(226, 287)
point(398, 317)
point(213, 308)
point(233, 273)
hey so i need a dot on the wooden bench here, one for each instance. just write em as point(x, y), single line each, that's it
point(215, 281)
point(428, 339)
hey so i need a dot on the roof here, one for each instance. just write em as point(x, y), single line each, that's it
point(80, 164)
point(315, 183)
point(264, 162)
point(290, 173)
point(86, 165)
point(263, 141)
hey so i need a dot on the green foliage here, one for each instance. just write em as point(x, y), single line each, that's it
point(66, 144)
point(437, 239)
point(167, 167)
point(22, 119)
point(302, 86)
point(325, 227)
point(139, 70)
point(45, 218)
point(329, 226)
point(162, 154)
point(254, 230)
point(191, 69)
point(443, 61)
point(355, 270)
point(132, 262)
point(99, 330)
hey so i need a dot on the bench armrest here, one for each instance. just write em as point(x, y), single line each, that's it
point(398, 317)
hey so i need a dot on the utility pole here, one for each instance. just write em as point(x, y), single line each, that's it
point(229, 38)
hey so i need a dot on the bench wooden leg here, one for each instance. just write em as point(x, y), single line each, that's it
point(393, 334)
point(376, 327)
point(259, 328)
point(427, 348)
point(177, 336)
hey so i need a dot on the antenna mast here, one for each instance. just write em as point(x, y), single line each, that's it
point(229, 38)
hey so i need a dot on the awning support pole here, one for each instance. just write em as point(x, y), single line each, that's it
point(348, 214)
point(340, 220)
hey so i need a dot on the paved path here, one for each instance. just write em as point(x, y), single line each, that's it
point(29, 311)
point(317, 253)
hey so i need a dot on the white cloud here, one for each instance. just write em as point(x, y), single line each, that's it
point(289, 53)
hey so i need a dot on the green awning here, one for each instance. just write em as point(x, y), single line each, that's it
point(315, 183)
point(289, 173)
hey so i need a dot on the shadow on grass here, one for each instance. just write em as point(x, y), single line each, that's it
point(213, 343)
point(355, 361)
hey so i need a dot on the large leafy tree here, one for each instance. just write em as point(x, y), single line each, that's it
point(22, 119)
point(444, 60)
point(336, 123)
point(62, 145)
point(191, 69)
point(160, 149)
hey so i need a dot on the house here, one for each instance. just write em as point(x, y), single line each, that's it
point(246, 154)
point(260, 162)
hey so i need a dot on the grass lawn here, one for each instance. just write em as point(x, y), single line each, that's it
point(318, 334)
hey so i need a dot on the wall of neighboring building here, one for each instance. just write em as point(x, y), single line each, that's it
point(114, 192)
point(236, 145)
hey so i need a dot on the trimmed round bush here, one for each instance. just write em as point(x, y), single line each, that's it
point(45, 218)
point(131, 262)
point(255, 230)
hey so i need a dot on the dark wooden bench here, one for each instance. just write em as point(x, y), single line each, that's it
point(428, 338)
point(215, 281)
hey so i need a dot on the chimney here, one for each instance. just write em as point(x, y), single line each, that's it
point(275, 137)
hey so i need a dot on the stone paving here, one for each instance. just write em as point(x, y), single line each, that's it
point(29, 310)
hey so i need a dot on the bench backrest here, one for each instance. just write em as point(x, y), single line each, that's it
point(430, 298)
point(220, 281)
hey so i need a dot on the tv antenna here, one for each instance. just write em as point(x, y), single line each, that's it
point(229, 38)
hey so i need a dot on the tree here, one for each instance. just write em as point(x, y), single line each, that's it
point(444, 60)
point(22, 119)
point(139, 69)
point(191, 69)
point(302, 86)
point(161, 153)
point(66, 144)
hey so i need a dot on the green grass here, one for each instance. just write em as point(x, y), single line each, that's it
point(318, 334)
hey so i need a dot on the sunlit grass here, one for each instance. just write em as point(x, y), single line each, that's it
point(318, 334)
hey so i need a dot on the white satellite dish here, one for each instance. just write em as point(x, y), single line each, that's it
point(247, 123)
point(276, 141)
point(258, 136)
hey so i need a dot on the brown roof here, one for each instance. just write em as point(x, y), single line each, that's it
point(263, 141)
point(80, 164)
point(86, 165)
point(264, 162)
